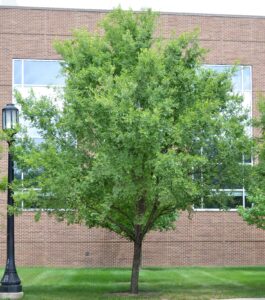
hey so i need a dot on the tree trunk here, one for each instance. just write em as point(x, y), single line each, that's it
point(137, 255)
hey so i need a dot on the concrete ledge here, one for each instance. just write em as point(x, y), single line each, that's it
point(10, 296)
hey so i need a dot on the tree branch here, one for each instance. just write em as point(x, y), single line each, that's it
point(151, 217)
point(123, 228)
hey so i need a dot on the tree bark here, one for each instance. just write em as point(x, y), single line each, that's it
point(137, 255)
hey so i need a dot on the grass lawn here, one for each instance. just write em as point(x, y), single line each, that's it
point(155, 283)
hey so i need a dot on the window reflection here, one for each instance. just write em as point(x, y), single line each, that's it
point(37, 72)
point(44, 78)
point(247, 82)
point(234, 196)
point(237, 81)
point(17, 71)
point(241, 79)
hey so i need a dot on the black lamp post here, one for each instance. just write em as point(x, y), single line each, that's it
point(10, 283)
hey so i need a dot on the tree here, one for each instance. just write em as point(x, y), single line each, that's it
point(145, 132)
point(255, 215)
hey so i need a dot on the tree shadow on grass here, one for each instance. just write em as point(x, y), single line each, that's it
point(90, 290)
point(85, 292)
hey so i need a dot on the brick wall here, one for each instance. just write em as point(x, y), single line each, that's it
point(213, 238)
point(207, 238)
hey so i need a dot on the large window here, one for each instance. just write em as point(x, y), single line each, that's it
point(242, 85)
point(44, 78)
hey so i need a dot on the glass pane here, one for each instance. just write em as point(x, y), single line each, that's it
point(247, 78)
point(38, 72)
point(247, 101)
point(237, 81)
point(17, 173)
point(38, 141)
point(210, 202)
point(235, 201)
point(218, 68)
point(248, 203)
point(226, 199)
point(8, 120)
point(17, 72)
point(14, 118)
point(247, 158)
point(3, 120)
point(32, 131)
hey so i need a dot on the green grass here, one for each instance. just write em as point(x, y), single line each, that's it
point(183, 283)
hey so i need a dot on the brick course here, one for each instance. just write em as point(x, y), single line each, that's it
point(209, 238)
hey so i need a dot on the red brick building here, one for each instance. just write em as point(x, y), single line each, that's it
point(210, 237)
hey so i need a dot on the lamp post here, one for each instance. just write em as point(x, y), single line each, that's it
point(10, 284)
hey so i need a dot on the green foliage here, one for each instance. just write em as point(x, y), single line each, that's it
point(256, 214)
point(145, 130)
point(3, 184)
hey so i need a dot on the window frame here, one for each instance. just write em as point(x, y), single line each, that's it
point(22, 84)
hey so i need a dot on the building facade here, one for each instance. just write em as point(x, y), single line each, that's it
point(209, 236)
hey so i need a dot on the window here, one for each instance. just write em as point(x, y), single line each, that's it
point(44, 77)
point(242, 85)
point(37, 73)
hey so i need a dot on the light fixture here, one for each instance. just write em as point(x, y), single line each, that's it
point(9, 117)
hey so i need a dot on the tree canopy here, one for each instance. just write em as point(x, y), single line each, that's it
point(145, 131)
point(255, 215)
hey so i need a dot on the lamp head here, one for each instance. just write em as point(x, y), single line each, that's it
point(10, 118)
